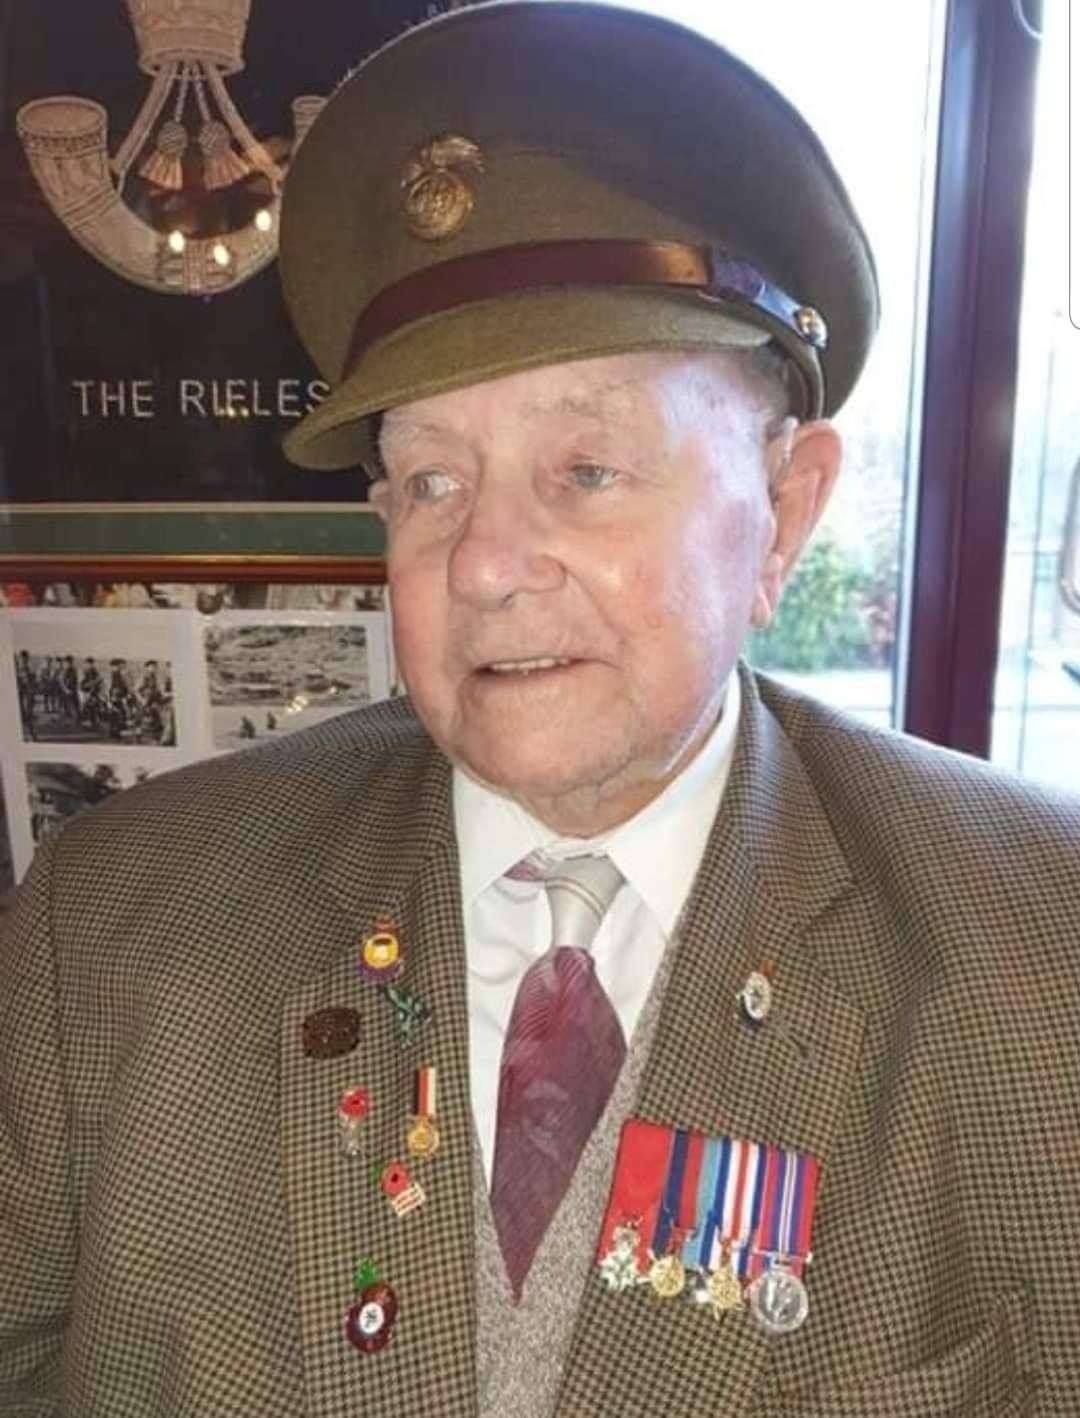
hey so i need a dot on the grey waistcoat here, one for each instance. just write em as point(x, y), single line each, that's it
point(521, 1349)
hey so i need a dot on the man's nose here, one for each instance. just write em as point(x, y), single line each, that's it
point(505, 547)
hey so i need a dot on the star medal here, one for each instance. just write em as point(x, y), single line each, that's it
point(724, 1290)
point(667, 1276)
point(423, 1135)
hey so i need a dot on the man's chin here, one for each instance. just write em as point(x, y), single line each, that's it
point(575, 796)
point(525, 781)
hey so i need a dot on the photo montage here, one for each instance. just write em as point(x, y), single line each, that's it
point(94, 701)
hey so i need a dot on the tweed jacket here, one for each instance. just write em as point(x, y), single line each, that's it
point(179, 1227)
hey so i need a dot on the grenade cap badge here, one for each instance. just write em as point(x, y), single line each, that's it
point(438, 185)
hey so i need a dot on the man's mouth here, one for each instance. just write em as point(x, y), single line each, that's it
point(524, 667)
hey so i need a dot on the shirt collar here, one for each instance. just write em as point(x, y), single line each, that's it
point(658, 850)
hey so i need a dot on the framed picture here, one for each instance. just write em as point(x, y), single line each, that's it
point(260, 542)
point(148, 370)
point(94, 701)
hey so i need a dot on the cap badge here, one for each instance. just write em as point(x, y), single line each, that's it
point(437, 186)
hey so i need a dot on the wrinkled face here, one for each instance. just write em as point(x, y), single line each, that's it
point(574, 554)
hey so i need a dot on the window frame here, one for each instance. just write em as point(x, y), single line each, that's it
point(960, 522)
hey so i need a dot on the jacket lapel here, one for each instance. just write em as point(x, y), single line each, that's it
point(771, 877)
point(393, 859)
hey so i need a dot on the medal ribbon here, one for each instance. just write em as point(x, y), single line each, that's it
point(425, 1092)
point(755, 1205)
point(642, 1166)
point(791, 1194)
point(721, 1200)
point(678, 1216)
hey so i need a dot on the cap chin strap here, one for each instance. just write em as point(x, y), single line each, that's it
point(507, 270)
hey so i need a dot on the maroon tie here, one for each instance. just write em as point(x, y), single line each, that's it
point(563, 1050)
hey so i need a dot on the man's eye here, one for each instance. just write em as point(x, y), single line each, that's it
point(592, 477)
point(428, 486)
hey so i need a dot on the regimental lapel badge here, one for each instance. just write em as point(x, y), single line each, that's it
point(722, 1220)
point(423, 1136)
point(382, 958)
point(381, 962)
point(369, 1320)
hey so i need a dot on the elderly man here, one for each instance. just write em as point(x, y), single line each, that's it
point(602, 1029)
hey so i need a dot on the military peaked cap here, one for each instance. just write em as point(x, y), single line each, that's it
point(527, 182)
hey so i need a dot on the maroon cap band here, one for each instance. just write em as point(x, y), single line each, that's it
point(506, 270)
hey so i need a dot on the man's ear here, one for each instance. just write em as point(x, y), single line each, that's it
point(803, 463)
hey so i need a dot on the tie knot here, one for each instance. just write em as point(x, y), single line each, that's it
point(579, 892)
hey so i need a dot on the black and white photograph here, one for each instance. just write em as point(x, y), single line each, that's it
point(56, 791)
point(269, 678)
point(92, 677)
point(65, 699)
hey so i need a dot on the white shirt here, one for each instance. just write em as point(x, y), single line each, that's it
point(508, 923)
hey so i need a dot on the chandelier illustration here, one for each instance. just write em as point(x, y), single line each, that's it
point(188, 139)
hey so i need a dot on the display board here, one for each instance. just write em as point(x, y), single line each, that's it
point(147, 358)
point(95, 700)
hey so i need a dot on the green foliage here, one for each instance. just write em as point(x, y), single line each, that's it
point(830, 616)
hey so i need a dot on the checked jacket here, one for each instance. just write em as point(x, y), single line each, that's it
point(179, 1226)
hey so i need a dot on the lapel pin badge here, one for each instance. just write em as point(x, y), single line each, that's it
point(352, 1110)
point(401, 1189)
point(423, 1136)
point(756, 995)
point(330, 1033)
point(382, 956)
point(381, 961)
point(369, 1320)
point(410, 1011)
